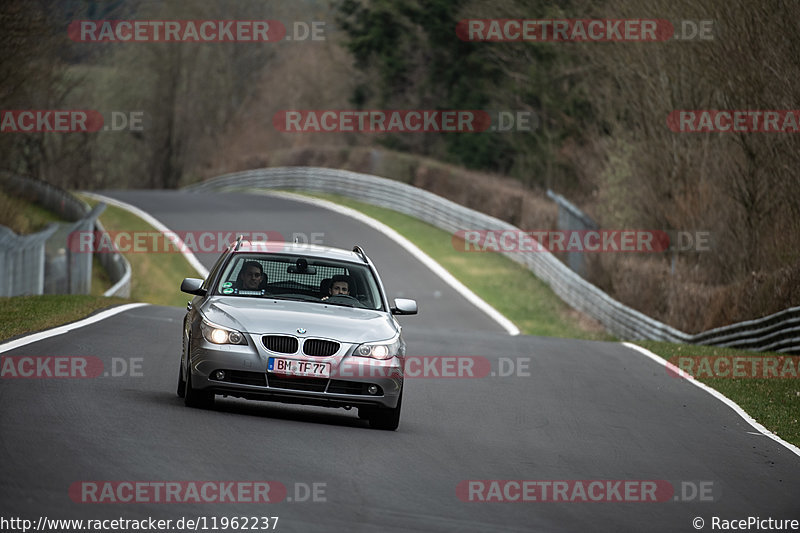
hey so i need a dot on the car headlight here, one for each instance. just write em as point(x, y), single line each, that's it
point(220, 335)
point(379, 350)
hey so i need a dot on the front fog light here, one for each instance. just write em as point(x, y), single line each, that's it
point(372, 389)
point(219, 375)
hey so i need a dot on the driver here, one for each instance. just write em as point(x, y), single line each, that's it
point(340, 286)
point(251, 277)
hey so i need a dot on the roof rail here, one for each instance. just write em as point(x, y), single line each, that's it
point(238, 242)
point(357, 249)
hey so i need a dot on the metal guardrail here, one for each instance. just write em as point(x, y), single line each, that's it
point(43, 263)
point(779, 332)
point(571, 218)
point(66, 270)
point(117, 267)
point(22, 261)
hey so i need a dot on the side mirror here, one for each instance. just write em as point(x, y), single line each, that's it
point(192, 286)
point(404, 306)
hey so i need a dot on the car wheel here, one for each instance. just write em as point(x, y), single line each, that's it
point(386, 417)
point(181, 382)
point(196, 398)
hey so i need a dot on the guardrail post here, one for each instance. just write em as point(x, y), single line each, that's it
point(79, 263)
point(22, 262)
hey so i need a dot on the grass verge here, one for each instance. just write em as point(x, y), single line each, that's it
point(22, 216)
point(100, 280)
point(27, 314)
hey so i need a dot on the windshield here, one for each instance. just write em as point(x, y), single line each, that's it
point(308, 279)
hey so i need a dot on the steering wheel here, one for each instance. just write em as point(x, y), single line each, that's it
point(356, 301)
point(343, 296)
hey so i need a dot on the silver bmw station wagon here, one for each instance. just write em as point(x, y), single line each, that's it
point(294, 323)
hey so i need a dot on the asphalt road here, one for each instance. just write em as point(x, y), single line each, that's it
point(582, 411)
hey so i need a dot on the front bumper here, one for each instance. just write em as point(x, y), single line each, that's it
point(246, 376)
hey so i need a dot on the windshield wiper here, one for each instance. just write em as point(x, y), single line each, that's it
point(291, 298)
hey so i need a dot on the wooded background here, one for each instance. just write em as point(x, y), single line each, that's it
point(602, 139)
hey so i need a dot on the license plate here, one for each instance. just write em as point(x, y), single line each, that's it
point(293, 367)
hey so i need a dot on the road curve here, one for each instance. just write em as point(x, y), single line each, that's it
point(581, 410)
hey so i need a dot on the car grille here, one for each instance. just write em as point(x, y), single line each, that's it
point(320, 348)
point(304, 384)
point(280, 343)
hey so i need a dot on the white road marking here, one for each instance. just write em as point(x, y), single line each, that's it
point(411, 248)
point(60, 330)
point(150, 219)
point(716, 394)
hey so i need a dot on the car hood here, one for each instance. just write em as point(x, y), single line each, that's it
point(262, 316)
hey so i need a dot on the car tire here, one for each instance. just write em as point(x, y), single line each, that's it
point(181, 382)
point(386, 417)
point(196, 398)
